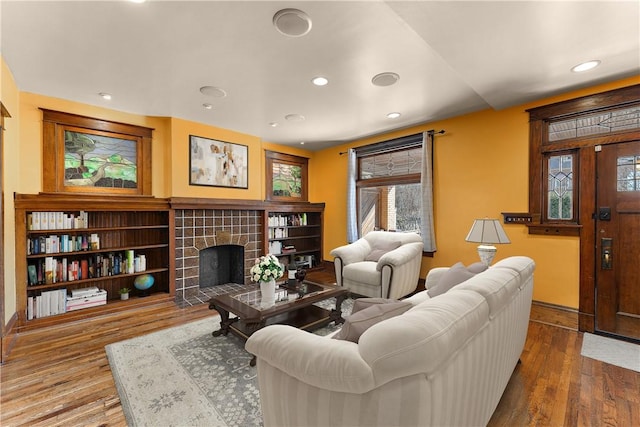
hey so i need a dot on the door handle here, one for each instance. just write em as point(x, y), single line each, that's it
point(606, 253)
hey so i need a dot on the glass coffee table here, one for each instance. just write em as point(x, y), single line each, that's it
point(293, 306)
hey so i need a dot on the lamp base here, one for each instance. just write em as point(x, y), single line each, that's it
point(487, 253)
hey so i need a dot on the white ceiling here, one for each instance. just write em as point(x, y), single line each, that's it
point(453, 57)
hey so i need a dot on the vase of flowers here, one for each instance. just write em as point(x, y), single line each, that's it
point(265, 271)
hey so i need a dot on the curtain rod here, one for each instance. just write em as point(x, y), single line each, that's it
point(432, 131)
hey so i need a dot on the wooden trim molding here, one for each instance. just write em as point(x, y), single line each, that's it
point(584, 227)
point(54, 145)
point(4, 329)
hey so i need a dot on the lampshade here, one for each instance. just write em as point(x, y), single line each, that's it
point(487, 232)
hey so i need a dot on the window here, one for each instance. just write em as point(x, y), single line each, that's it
point(562, 147)
point(388, 185)
point(560, 190)
point(628, 172)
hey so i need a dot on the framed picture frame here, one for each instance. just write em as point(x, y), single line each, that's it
point(214, 163)
point(89, 155)
point(287, 177)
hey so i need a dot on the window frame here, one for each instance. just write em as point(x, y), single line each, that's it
point(413, 178)
point(583, 146)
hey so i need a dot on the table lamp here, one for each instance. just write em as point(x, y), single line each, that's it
point(487, 232)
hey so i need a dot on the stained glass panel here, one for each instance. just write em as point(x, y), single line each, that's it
point(595, 124)
point(560, 187)
point(394, 163)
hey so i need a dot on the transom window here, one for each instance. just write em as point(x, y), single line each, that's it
point(595, 124)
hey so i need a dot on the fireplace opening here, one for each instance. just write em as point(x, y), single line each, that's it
point(220, 265)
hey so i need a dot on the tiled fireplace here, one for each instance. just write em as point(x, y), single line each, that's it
point(200, 229)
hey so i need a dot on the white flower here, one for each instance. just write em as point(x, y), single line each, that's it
point(266, 268)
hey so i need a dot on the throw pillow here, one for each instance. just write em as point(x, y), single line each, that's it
point(362, 303)
point(477, 267)
point(355, 325)
point(380, 249)
point(457, 274)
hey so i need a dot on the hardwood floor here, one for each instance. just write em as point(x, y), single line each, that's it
point(60, 376)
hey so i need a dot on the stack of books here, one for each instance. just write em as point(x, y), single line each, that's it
point(86, 297)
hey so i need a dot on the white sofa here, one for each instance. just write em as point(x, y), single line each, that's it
point(444, 362)
point(381, 264)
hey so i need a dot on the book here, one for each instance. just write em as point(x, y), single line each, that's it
point(83, 292)
point(30, 308)
point(32, 274)
point(48, 270)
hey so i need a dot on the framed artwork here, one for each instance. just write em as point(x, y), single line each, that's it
point(217, 163)
point(286, 177)
point(88, 155)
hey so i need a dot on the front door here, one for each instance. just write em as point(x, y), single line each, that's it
point(618, 240)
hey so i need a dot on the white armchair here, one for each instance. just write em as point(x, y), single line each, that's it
point(381, 264)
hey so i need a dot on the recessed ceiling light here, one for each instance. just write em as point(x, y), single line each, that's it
point(207, 106)
point(137, 1)
point(585, 66)
point(320, 81)
point(105, 95)
point(393, 115)
point(273, 124)
point(292, 22)
point(294, 117)
point(301, 142)
point(385, 79)
point(213, 91)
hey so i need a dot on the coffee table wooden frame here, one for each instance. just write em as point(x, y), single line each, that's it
point(300, 313)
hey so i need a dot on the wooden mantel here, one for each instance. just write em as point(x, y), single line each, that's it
point(259, 205)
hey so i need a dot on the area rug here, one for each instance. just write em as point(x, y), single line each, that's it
point(183, 376)
point(612, 351)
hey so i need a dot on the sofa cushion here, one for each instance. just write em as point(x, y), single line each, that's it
point(357, 323)
point(380, 248)
point(362, 272)
point(425, 337)
point(498, 288)
point(457, 274)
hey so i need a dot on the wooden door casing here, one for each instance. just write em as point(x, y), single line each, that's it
point(617, 287)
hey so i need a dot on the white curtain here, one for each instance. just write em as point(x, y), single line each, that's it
point(352, 218)
point(426, 182)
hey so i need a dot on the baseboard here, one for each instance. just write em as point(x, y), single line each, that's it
point(555, 315)
point(9, 338)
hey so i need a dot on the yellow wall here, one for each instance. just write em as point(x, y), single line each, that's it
point(9, 168)
point(480, 170)
point(179, 185)
point(31, 138)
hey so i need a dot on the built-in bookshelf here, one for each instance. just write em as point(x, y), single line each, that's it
point(294, 232)
point(67, 245)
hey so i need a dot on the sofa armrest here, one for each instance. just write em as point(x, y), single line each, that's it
point(354, 252)
point(401, 255)
point(322, 362)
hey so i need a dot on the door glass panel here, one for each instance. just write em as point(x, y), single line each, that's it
point(560, 187)
point(628, 171)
